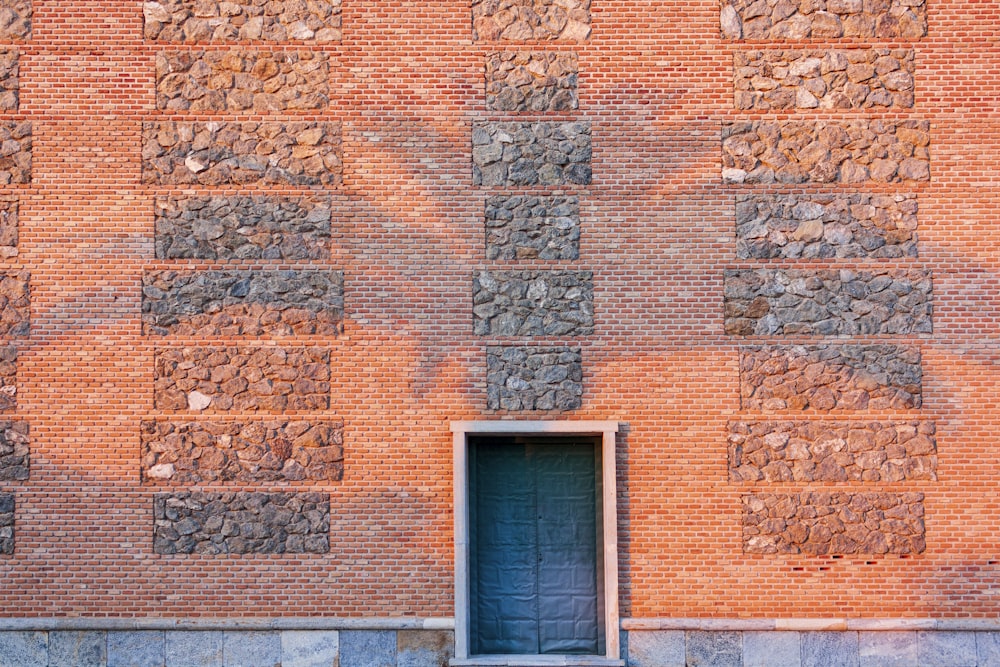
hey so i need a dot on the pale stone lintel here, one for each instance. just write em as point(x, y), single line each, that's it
point(513, 427)
point(812, 624)
point(535, 661)
point(257, 624)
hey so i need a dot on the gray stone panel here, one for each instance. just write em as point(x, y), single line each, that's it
point(317, 21)
point(424, 648)
point(531, 153)
point(23, 648)
point(78, 648)
point(252, 649)
point(947, 649)
point(533, 303)
point(525, 20)
point(714, 649)
point(7, 506)
point(531, 81)
point(532, 227)
point(771, 649)
point(988, 649)
point(652, 648)
point(196, 648)
point(887, 649)
point(14, 453)
point(829, 649)
point(16, 24)
point(534, 378)
point(136, 648)
point(15, 163)
point(310, 648)
point(368, 648)
point(825, 19)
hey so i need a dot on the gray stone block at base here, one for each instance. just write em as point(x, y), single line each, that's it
point(309, 648)
point(714, 649)
point(647, 648)
point(887, 649)
point(368, 648)
point(829, 649)
point(988, 649)
point(136, 648)
point(771, 649)
point(252, 649)
point(23, 649)
point(947, 649)
point(78, 649)
point(424, 648)
point(195, 648)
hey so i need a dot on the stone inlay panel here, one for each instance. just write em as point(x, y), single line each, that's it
point(533, 303)
point(15, 20)
point(242, 20)
point(9, 78)
point(15, 305)
point(242, 80)
point(524, 20)
point(8, 227)
point(218, 153)
point(774, 302)
point(14, 442)
point(534, 378)
point(823, 378)
point(8, 378)
point(531, 81)
point(823, 19)
point(826, 152)
point(541, 153)
point(241, 523)
point(826, 226)
point(6, 523)
point(242, 227)
point(15, 152)
point(834, 79)
point(786, 451)
point(229, 451)
point(532, 227)
point(250, 379)
point(833, 523)
point(243, 302)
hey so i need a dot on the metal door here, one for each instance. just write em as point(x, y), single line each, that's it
point(534, 547)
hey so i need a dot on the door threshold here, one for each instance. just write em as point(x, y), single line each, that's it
point(536, 661)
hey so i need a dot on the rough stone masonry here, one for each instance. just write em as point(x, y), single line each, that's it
point(14, 443)
point(531, 81)
point(540, 153)
point(242, 20)
point(532, 227)
point(15, 152)
point(524, 20)
point(795, 20)
point(6, 523)
point(533, 303)
point(533, 378)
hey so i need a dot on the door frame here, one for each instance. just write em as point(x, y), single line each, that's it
point(606, 430)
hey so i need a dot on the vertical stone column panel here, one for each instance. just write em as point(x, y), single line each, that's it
point(15, 152)
point(14, 444)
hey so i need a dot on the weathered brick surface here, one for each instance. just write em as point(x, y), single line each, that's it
point(220, 379)
point(241, 523)
point(8, 378)
point(15, 152)
point(15, 20)
point(833, 377)
point(826, 226)
point(532, 81)
point(9, 79)
point(241, 80)
point(242, 227)
point(822, 451)
point(834, 523)
point(524, 20)
point(534, 378)
point(242, 20)
point(823, 19)
point(6, 523)
point(532, 227)
point(242, 302)
point(219, 153)
point(15, 305)
point(8, 227)
point(14, 444)
point(830, 79)
point(773, 302)
point(826, 152)
point(533, 303)
point(242, 451)
point(541, 153)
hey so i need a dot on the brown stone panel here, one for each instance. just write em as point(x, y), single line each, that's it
point(245, 379)
point(8, 227)
point(821, 451)
point(15, 20)
point(534, 378)
point(531, 153)
point(242, 21)
point(15, 305)
point(241, 80)
point(823, 19)
point(526, 20)
point(531, 81)
point(799, 226)
point(241, 523)
point(14, 443)
point(6, 523)
point(833, 377)
point(8, 378)
point(831, 79)
point(221, 153)
point(532, 227)
point(775, 302)
point(15, 152)
point(833, 523)
point(243, 303)
point(255, 451)
point(9, 79)
point(879, 151)
point(533, 303)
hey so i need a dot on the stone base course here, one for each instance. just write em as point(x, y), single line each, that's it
point(241, 523)
point(533, 303)
point(246, 379)
point(8, 378)
point(242, 20)
point(531, 153)
point(823, 19)
point(531, 81)
point(242, 303)
point(833, 523)
point(234, 153)
point(14, 443)
point(15, 152)
point(826, 152)
point(241, 227)
point(257, 451)
point(241, 80)
point(832, 79)
point(835, 377)
point(15, 20)
point(532, 227)
point(774, 302)
point(534, 378)
point(813, 451)
point(838, 226)
point(524, 20)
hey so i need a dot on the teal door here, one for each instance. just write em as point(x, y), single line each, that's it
point(533, 554)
